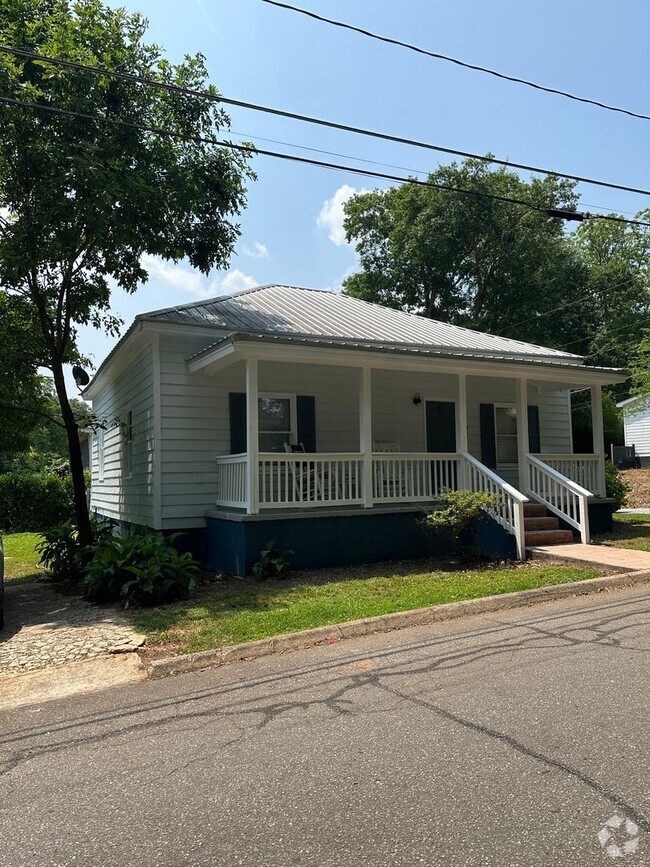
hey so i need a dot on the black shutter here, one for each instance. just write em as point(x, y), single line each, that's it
point(237, 422)
point(306, 421)
point(534, 441)
point(488, 436)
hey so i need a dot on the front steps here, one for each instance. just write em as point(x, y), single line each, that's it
point(543, 529)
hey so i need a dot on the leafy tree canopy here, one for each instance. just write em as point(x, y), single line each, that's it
point(81, 201)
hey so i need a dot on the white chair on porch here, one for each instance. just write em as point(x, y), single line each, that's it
point(307, 486)
point(387, 483)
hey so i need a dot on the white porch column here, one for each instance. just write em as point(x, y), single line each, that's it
point(252, 437)
point(598, 435)
point(522, 431)
point(461, 429)
point(365, 432)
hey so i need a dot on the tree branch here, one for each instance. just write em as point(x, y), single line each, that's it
point(33, 412)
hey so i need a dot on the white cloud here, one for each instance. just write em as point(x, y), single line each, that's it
point(195, 283)
point(259, 251)
point(331, 214)
point(235, 280)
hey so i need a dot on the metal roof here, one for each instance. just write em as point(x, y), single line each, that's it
point(298, 312)
point(559, 362)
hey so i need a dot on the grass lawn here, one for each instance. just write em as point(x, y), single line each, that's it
point(21, 560)
point(235, 611)
point(630, 531)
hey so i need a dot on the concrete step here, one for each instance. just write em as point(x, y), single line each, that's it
point(547, 523)
point(548, 537)
point(534, 510)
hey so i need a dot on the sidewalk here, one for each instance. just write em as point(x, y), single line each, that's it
point(618, 559)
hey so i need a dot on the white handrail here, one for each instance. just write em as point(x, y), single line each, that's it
point(586, 470)
point(564, 497)
point(510, 511)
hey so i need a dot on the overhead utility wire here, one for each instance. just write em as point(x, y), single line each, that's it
point(455, 60)
point(175, 88)
point(551, 212)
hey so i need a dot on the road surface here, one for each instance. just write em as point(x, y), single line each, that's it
point(514, 738)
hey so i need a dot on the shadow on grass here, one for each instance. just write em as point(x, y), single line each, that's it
point(629, 531)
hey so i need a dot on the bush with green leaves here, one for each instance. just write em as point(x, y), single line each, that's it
point(141, 569)
point(273, 563)
point(459, 512)
point(32, 502)
point(61, 553)
point(615, 487)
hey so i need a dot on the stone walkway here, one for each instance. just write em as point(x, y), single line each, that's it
point(617, 559)
point(44, 628)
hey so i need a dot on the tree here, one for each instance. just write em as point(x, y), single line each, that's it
point(81, 201)
point(470, 260)
point(615, 256)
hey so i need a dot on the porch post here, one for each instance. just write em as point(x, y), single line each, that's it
point(365, 432)
point(461, 432)
point(522, 431)
point(598, 435)
point(252, 437)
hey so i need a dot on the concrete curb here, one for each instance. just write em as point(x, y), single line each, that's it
point(388, 622)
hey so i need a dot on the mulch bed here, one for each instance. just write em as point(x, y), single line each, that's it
point(639, 483)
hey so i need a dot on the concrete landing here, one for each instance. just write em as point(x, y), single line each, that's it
point(615, 559)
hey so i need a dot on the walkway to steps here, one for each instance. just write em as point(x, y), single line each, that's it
point(616, 559)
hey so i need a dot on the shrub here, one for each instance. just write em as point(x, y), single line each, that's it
point(61, 553)
point(34, 502)
point(615, 487)
point(272, 563)
point(459, 510)
point(143, 569)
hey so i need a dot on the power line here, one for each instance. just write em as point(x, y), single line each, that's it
point(174, 88)
point(551, 212)
point(455, 60)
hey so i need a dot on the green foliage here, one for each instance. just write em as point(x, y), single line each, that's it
point(61, 553)
point(581, 422)
point(640, 367)
point(615, 486)
point(459, 510)
point(142, 569)
point(272, 563)
point(82, 201)
point(34, 502)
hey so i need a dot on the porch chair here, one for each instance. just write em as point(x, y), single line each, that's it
point(306, 482)
point(386, 485)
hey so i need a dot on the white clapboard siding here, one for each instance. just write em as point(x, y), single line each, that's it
point(637, 430)
point(118, 495)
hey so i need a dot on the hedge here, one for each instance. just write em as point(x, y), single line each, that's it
point(34, 502)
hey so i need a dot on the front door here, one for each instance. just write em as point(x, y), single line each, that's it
point(441, 437)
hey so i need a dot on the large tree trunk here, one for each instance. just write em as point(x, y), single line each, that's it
point(76, 465)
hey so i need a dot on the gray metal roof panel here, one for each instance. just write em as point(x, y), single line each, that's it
point(292, 310)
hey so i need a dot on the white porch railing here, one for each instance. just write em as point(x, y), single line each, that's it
point(412, 476)
point(564, 497)
point(304, 480)
point(231, 481)
point(586, 470)
point(510, 510)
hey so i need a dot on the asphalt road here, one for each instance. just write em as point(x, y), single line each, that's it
point(505, 739)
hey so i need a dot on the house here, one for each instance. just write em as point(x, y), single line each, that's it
point(636, 423)
point(329, 424)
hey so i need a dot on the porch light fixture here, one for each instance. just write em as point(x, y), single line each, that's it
point(417, 400)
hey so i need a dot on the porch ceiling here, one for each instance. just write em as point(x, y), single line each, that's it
point(309, 350)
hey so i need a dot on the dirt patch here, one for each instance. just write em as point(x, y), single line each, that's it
point(639, 483)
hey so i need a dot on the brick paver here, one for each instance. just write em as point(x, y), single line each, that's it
point(615, 558)
point(44, 628)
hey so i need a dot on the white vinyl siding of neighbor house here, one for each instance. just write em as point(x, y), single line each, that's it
point(118, 495)
point(637, 430)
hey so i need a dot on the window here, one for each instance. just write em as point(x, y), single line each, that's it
point(505, 424)
point(127, 443)
point(277, 414)
point(100, 453)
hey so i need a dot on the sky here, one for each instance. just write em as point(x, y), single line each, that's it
point(291, 231)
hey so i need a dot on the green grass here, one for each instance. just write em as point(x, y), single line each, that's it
point(630, 531)
point(243, 611)
point(21, 560)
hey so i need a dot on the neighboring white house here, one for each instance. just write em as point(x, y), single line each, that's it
point(243, 413)
point(636, 421)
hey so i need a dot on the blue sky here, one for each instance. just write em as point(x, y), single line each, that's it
point(291, 229)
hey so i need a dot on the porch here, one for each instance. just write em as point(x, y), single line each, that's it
point(462, 426)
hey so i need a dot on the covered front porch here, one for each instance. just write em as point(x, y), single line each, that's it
point(419, 426)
